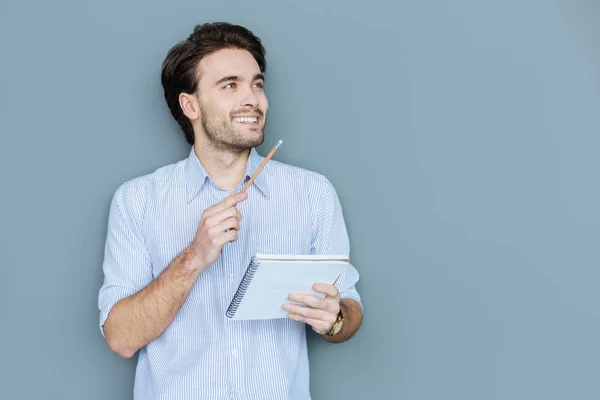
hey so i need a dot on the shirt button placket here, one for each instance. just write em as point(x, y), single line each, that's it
point(235, 363)
point(231, 259)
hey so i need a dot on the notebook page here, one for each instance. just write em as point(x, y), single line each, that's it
point(274, 280)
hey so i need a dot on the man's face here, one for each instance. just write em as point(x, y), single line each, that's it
point(233, 105)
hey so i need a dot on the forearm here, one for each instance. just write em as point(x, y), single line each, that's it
point(353, 316)
point(139, 319)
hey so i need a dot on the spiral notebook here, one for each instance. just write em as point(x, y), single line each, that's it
point(269, 280)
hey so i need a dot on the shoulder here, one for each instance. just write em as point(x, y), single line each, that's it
point(133, 195)
point(305, 180)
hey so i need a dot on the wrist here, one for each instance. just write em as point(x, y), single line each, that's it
point(352, 320)
point(191, 260)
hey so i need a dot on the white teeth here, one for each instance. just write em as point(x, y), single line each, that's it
point(245, 119)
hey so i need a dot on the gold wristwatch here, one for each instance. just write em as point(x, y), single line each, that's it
point(337, 325)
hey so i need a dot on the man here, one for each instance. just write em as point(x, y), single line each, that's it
point(179, 241)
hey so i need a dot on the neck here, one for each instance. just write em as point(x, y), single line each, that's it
point(226, 168)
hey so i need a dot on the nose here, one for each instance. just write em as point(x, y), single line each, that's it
point(249, 99)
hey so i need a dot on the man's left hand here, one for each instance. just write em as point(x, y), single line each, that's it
point(319, 313)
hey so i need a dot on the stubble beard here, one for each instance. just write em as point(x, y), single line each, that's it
point(224, 137)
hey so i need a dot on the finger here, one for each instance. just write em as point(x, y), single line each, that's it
point(309, 312)
point(326, 288)
point(224, 237)
point(226, 203)
point(229, 236)
point(229, 223)
point(221, 216)
point(312, 301)
point(321, 327)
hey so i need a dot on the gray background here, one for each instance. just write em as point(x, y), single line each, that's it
point(462, 138)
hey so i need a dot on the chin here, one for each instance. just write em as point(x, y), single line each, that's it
point(244, 142)
point(252, 135)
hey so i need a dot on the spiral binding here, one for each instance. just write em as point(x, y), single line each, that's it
point(241, 291)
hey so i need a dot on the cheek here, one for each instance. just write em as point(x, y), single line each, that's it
point(219, 106)
point(225, 110)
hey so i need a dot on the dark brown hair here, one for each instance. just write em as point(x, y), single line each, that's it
point(179, 69)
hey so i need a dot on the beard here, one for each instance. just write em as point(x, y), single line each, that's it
point(223, 135)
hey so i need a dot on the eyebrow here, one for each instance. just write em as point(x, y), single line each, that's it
point(234, 78)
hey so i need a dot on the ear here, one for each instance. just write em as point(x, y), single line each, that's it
point(189, 105)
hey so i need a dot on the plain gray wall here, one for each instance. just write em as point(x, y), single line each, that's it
point(463, 139)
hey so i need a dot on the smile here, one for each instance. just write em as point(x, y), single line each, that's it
point(246, 120)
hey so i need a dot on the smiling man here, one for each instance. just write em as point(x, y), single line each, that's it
point(179, 241)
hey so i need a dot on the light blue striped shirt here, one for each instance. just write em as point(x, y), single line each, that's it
point(203, 354)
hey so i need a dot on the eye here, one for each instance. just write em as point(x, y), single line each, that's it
point(259, 85)
point(229, 86)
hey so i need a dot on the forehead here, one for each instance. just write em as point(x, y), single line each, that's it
point(228, 62)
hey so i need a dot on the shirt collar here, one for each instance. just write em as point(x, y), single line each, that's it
point(261, 181)
point(196, 175)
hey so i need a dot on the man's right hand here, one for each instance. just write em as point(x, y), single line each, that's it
point(219, 225)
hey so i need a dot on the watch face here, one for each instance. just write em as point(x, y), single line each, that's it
point(338, 327)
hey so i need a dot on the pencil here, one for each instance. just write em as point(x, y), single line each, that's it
point(262, 165)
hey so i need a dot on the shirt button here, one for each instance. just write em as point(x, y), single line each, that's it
point(231, 277)
point(235, 352)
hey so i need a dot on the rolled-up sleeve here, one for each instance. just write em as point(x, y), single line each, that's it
point(126, 265)
point(330, 237)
